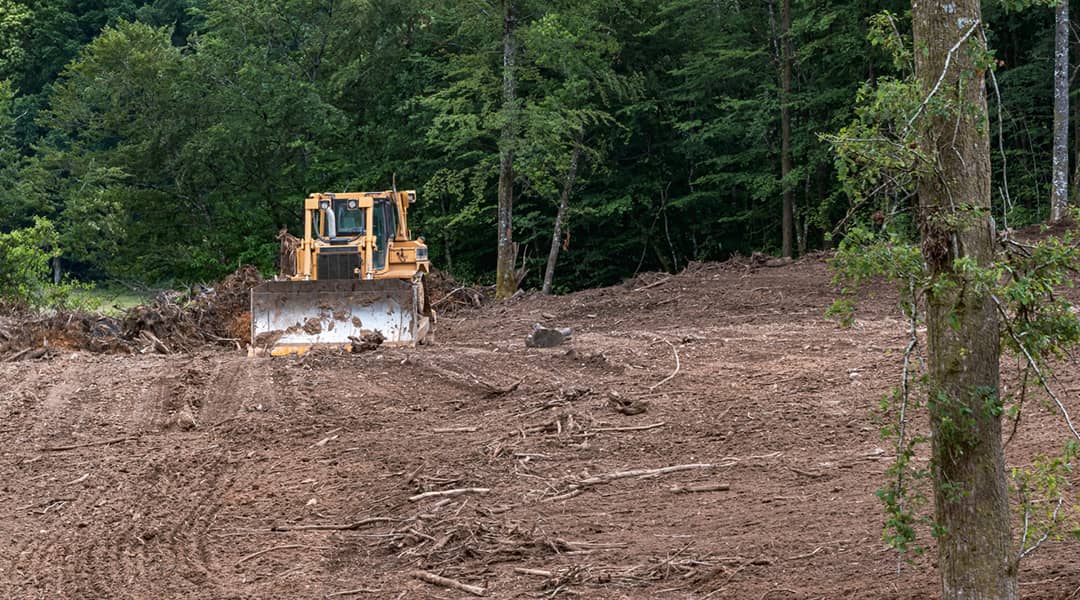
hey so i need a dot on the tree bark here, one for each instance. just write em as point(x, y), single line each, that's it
point(505, 279)
point(1059, 193)
point(1074, 186)
point(975, 557)
point(560, 216)
point(788, 221)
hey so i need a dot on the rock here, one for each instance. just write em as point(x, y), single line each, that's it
point(544, 337)
point(626, 406)
point(185, 420)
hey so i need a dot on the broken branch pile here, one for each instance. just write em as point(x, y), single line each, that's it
point(448, 296)
point(167, 324)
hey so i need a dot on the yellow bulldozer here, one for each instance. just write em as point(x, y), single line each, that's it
point(356, 274)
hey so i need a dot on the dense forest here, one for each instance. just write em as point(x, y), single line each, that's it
point(170, 140)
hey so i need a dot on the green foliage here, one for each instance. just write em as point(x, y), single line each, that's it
point(1044, 488)
point(25, 267)
point(878, 163)
point(1038, 315)
point(169, 138)
point(15, 20)
point(864, 256)
point(906, 492)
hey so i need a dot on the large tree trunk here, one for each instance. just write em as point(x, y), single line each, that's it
point(975, 557)
point(1059, 193)
point(505, 279)
point(560, 216)
point(1074, 185)
point(788, 221)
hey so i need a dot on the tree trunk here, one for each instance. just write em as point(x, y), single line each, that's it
point(560, 216)
point(57, 275)
point(788, 222)
point(505, 280)
point(975, 557)
point(1074, 187)
point(1059, 193)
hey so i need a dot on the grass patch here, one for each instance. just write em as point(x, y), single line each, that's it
point(109, 301)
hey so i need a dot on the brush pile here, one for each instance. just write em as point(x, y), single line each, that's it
point(170, 323)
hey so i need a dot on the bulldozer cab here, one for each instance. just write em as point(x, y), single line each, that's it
point(384, 228)
point(350, 222)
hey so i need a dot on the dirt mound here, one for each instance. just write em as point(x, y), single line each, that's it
point(30, 336)
point(170, 323)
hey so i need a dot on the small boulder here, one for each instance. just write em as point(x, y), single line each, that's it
point(546, 337)
point(185, 420)
point(626, 406)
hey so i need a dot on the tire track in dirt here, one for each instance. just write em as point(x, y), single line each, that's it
point(138, 527)
point(43, 513)
point(192, 495)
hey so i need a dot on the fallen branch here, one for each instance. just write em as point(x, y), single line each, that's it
point(537, 572)
point(355, 592)
point(673, 373)
point(346, 527)
point(88, 444)
point(157, 344)
point(641, 473)
point(78, 480)
point(813, 474)
point(807, 555)
point(568, 495)
point(690, 489)
point(267, 550)
point(446, 582)
point(454, 492)
point(580, 486)
point(634, 428)
point(454, 429)
point(653, 284)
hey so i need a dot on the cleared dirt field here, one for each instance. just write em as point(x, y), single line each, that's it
point(215, 475)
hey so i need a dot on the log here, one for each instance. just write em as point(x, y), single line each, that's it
point(446, 582)
point(536, 572)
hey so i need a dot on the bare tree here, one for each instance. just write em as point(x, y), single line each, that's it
point(975, 557)
point(788, 218)
point(1059, 193)
point(505, 276)
point(560, 216)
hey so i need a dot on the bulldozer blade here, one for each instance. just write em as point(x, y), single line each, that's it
point(293, 316)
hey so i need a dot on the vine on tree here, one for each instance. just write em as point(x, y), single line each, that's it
point(879, 162)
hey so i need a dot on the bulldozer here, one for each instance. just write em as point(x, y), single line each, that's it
point(355, 275)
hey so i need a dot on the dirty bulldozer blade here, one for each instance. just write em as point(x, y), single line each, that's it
point(293, 316)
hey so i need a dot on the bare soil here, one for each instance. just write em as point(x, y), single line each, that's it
point(214, 475)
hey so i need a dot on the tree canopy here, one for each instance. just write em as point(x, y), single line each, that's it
point(171, 139)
